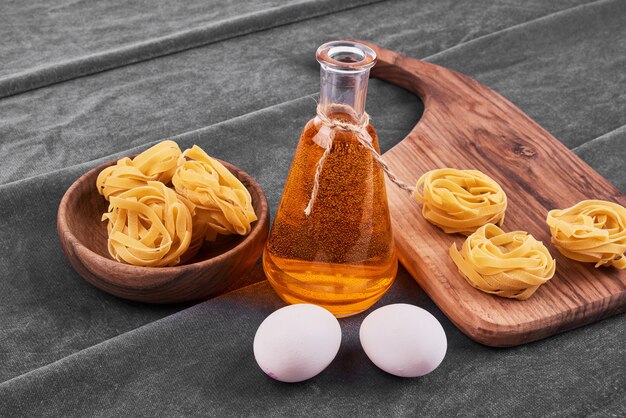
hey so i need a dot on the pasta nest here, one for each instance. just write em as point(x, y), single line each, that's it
point(460, 201)
point(592, 231)
point(223, 204)
point(510, 265)
point(157, 163)
point(148, 226)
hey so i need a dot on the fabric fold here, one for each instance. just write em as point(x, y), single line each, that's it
point(606, 154)
point(565, 70)
point(159, 44)
point(199, 362)
point(104, 113)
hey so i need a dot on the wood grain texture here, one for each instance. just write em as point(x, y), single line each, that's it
point(217, 265)
point(466, 125)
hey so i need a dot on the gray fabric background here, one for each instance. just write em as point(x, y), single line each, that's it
point(84, 82)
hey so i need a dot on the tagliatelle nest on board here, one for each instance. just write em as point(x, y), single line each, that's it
point(592, 231)
point(223, 204)
point(510, 265)
point(148, 226)
point(460, 201)
point(157, 163)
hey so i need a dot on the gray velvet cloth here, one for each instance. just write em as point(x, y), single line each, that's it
point(85, 82)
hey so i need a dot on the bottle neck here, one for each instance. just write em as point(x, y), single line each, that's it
point(343, 92)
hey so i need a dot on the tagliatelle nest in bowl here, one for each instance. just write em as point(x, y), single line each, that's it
point(157, 163)
point(148, 226)
point(460, 201)
point(507, 264)
point(592, 231)
point(223, 204)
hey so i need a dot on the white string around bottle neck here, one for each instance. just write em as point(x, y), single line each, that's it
point(360, 129)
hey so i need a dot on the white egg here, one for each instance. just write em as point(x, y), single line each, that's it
point(297, 342)
point(403, 340)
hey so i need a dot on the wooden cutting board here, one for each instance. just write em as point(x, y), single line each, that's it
point(466, 125)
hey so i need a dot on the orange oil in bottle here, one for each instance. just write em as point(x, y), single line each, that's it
point(342, 255)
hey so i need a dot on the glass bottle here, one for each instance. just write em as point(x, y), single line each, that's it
point(341, 256)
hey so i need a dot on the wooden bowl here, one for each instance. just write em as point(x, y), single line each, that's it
point(84, 237)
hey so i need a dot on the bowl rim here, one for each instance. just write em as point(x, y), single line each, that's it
point(174, 271)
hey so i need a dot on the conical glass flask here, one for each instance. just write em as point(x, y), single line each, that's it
point(341, 255)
